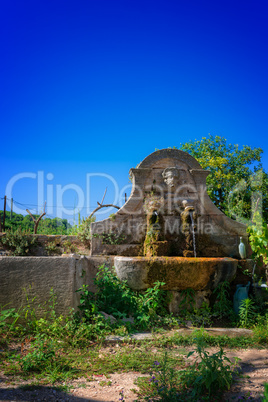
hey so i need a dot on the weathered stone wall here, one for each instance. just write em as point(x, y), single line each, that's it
point(49, 245)
point(34, 277)
point(216, 234)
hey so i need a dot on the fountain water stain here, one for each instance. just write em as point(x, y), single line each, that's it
point(173, 232)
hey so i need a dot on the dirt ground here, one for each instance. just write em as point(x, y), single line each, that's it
point(253, 366)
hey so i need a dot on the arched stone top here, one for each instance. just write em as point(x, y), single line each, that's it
point(167, 179)
point(169, 153)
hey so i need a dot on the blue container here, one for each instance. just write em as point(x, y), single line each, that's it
point(241, 294)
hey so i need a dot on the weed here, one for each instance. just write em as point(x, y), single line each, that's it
point(69, 247)
point(115, 298)
point(18, 242)
point(261, 329)
point(8, 319)
point(121, 394)
point(111, 238)
point(265, 396)
point(223, 305)
point(41, 354)
point(83, 230)
point(247, 313)
point(187, 301)
point(45, 357)
point(201, 316)
point(112, 216)
point(209, 376)
point(105, 383)
point(53, 248)
point(206, 377)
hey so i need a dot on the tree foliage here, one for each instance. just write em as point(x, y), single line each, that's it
point(237, 183)
point(50, 226)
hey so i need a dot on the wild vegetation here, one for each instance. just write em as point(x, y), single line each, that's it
point(55, 349)
point(25, 223)
point(237, 178)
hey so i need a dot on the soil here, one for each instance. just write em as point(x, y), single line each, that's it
point(253, 366)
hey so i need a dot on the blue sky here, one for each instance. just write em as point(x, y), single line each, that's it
point(95, 86)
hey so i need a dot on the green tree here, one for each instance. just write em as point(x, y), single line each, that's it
point(54, 226)
point(237, 183)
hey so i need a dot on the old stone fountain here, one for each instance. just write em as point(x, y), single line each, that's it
point(169, 230)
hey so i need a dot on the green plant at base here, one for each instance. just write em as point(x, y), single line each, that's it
point(18, 242)
point(44, 357)
point(41, 354)
point(265, 396)
point(114, 297)
point(198, 316)
point(87, 304)
point(8, 320)
point(53, 248)
point(111, 238)
point(261, 329)
point(247, 313)
point(201, 316)
point(223, 306)
point(188, 301)
point(260, 298)
point(163, 384)
point(151, 304)
point(69, 247)
point(209, 376)
point(83, 230)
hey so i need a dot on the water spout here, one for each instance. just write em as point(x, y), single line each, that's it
point(193, 228)
point(188, 217)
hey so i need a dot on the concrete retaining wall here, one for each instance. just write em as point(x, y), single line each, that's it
point(34, 277)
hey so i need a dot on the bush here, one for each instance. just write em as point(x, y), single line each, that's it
point(211, 376)
point(205, 378)
point(18, 242)
point(83, 230)
point(116, 298)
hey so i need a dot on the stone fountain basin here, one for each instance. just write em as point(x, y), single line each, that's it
point(178, 273)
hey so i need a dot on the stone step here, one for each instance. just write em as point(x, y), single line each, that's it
point(231, 332)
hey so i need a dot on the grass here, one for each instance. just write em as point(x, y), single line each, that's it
point(68, 361)
point(61, 362)
point(54, 350)
point(72, 363)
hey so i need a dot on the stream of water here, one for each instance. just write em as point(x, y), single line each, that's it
point(192, 219)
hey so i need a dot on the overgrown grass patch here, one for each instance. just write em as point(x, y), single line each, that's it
point(206, 378)
point(54, 350)
point(54, 364)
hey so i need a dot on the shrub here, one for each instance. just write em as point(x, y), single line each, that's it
point(18, 242)
point(115, 297)
point(207, 377)
point(83, 230)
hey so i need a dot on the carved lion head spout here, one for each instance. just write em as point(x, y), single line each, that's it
point(171, 176)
